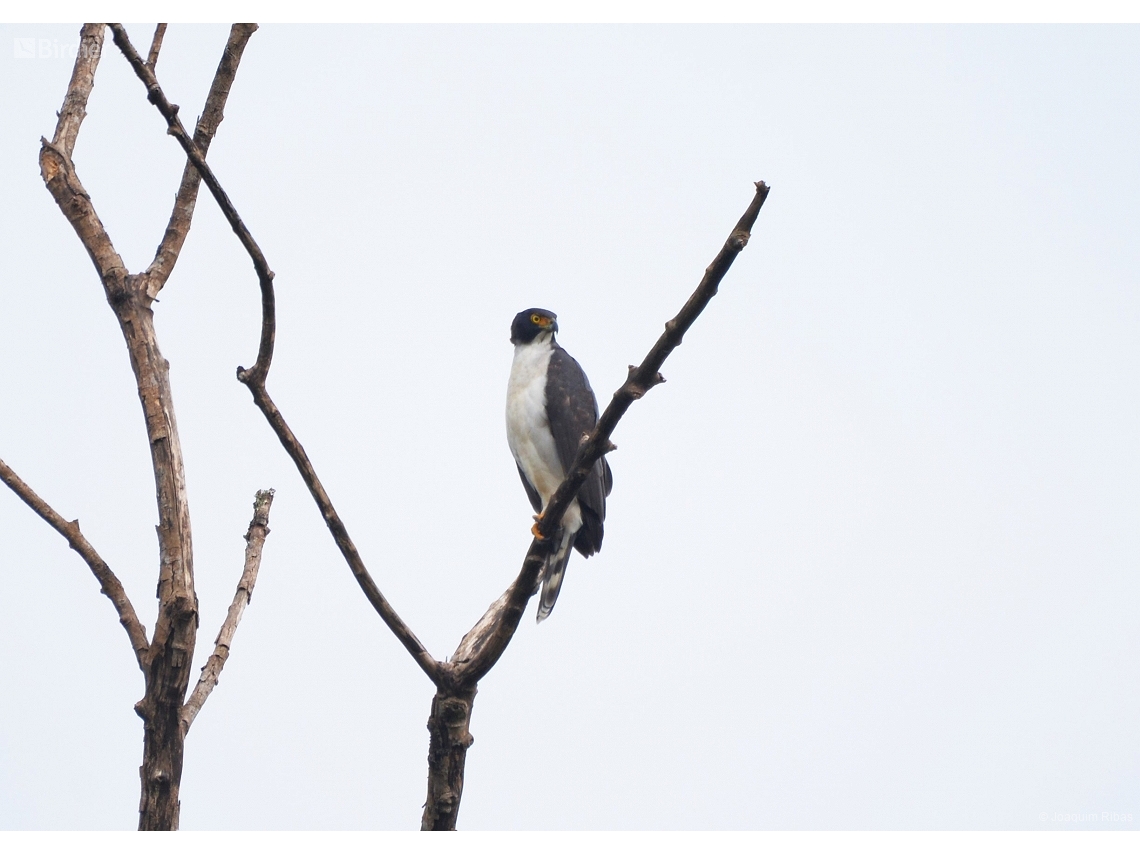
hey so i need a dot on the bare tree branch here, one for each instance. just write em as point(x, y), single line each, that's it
point(430, 666)
point(176, 591)
point(174, 125)
point(155, 46)
point(65, 187)
point(254, 378)
point(59, 172)
point(166, 255)
point(168, 660)
point(212, 670)
point(74, 109)
point(481, 648)
point(108, 582)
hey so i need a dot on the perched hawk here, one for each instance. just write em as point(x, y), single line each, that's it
point(550, 407)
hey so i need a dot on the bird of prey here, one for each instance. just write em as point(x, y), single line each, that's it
point(550, 407)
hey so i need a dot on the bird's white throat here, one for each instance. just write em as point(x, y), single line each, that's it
point(528, 430)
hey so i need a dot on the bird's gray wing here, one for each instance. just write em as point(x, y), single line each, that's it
point(531, 493)
point(572, 412)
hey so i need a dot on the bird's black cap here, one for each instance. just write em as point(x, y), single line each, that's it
point(528, 324)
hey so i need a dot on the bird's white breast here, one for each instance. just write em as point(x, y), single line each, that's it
point(528, 430)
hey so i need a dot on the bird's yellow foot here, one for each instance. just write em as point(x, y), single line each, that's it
point(534, 528)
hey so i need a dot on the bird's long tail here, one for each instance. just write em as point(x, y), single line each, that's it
point(552, 573)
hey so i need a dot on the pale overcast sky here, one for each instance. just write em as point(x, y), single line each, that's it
point(871, 554)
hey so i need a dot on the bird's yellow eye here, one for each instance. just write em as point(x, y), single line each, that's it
point(537, 319)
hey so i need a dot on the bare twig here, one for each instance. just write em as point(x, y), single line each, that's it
point(212, 114)
point(481, 648)
point(254, 378)
point(212, 670)
point(155, 46)
point(108, 582)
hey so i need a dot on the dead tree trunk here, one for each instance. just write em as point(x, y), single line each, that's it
point(450, 727)
point(161, 771)
point(166, 659)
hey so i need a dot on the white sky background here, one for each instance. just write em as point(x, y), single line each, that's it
point(871, 554)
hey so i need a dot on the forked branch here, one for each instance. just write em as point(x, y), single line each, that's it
point(254, 378)
point(166, 660)
point(197, 157)
point(484, 644)
point(212, 115)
